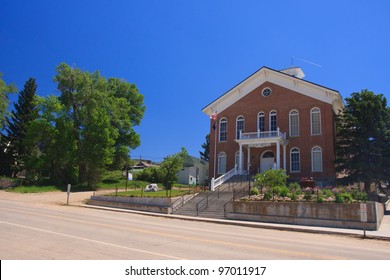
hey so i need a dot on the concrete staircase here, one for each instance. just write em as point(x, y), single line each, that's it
point(212, 203)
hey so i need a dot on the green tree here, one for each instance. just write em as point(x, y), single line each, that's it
point(103, 113)
point(170, 166)
point(127, 112)
point(363, 139)
point(205, 155)
point(5, 90)
point(14, 139)
point(53, 145)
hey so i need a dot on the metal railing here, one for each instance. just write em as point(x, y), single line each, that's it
point(236, 195)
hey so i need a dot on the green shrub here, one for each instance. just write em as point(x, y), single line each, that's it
point(293, 196)
point(254, 191)
point(284, 191)
point(271, 178)
point(320, 198)
point(267, 196)
point(339, 198)
point(294, 187)
point(359, 196)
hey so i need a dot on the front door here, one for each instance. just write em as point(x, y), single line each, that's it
point(267, 161)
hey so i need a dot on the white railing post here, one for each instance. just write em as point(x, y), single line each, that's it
point(212, 184)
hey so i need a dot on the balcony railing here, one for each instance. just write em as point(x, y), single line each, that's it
point(262, 134)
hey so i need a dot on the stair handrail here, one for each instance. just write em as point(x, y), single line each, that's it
point(204, 203)
point(236, 195)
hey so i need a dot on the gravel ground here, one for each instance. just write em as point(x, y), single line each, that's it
point(53, 198)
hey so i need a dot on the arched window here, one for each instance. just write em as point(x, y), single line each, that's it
point(240, 126)
point(222, 130)
point(261, 121)
point(222, 163)
point(316, 159)
point(272, 121)
point(315, 121)
point(294, 123)
point(295, 160)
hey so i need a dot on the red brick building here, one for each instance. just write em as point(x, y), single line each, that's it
point(275, 119)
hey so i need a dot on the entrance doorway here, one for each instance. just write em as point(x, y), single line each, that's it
point(267, 161)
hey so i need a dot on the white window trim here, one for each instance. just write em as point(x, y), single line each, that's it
point(220, 155)
point(273, 113)
point(258, 118)
point(223, 120)
point(239, 118)
point(312, 159)
point(293, 112)
point(299, 162)
point(311, 121)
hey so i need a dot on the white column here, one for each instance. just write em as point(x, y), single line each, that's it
point(240, 161)
point(278, 154)
point(284, 158)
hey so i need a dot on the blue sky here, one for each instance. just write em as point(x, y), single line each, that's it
point(184, 54)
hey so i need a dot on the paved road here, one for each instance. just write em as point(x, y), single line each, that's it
point(31, 229)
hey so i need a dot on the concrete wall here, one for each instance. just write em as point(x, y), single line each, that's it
point(159, 205)
point(313, 214)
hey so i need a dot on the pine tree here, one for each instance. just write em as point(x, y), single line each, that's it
point(13, 140)
point(205, 155)
point(363, 139)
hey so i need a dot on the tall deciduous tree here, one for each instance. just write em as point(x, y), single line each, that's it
point(205, 155)
point(14, 139)
point(103, 113)
point(363, 139)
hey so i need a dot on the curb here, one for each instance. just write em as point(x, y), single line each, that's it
point(281, 227)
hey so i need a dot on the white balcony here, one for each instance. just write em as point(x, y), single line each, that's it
point(261, 139)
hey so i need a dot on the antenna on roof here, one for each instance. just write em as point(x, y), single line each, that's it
point(307, 61)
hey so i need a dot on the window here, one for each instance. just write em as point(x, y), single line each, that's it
point(261, 121)
point(240, 126)
point(294, 160)
point(316, 159)
point(222, 163)
point(266, 91)
point(315, 120)
point(294, 123)
point(272, 121)
point(223, 130)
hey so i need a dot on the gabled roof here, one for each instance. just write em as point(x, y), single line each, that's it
point(191, 161)
point(280, 78)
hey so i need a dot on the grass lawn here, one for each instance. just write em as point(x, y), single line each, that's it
point(33, 189)
point(140, 193)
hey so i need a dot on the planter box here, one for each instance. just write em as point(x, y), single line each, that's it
point(306, 213)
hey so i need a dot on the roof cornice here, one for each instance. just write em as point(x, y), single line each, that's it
point(266, 74)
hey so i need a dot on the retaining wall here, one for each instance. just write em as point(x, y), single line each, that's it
point(159, 205)
point(311, 214)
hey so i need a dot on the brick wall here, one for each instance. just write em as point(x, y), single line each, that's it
point(281, 100)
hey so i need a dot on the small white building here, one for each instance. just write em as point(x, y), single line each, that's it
point(194, 172)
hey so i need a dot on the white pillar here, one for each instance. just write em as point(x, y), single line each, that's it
point(284, 158)
point(278, 154)
point(240, 161)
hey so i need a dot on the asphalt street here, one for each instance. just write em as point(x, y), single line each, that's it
point(40, 227)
